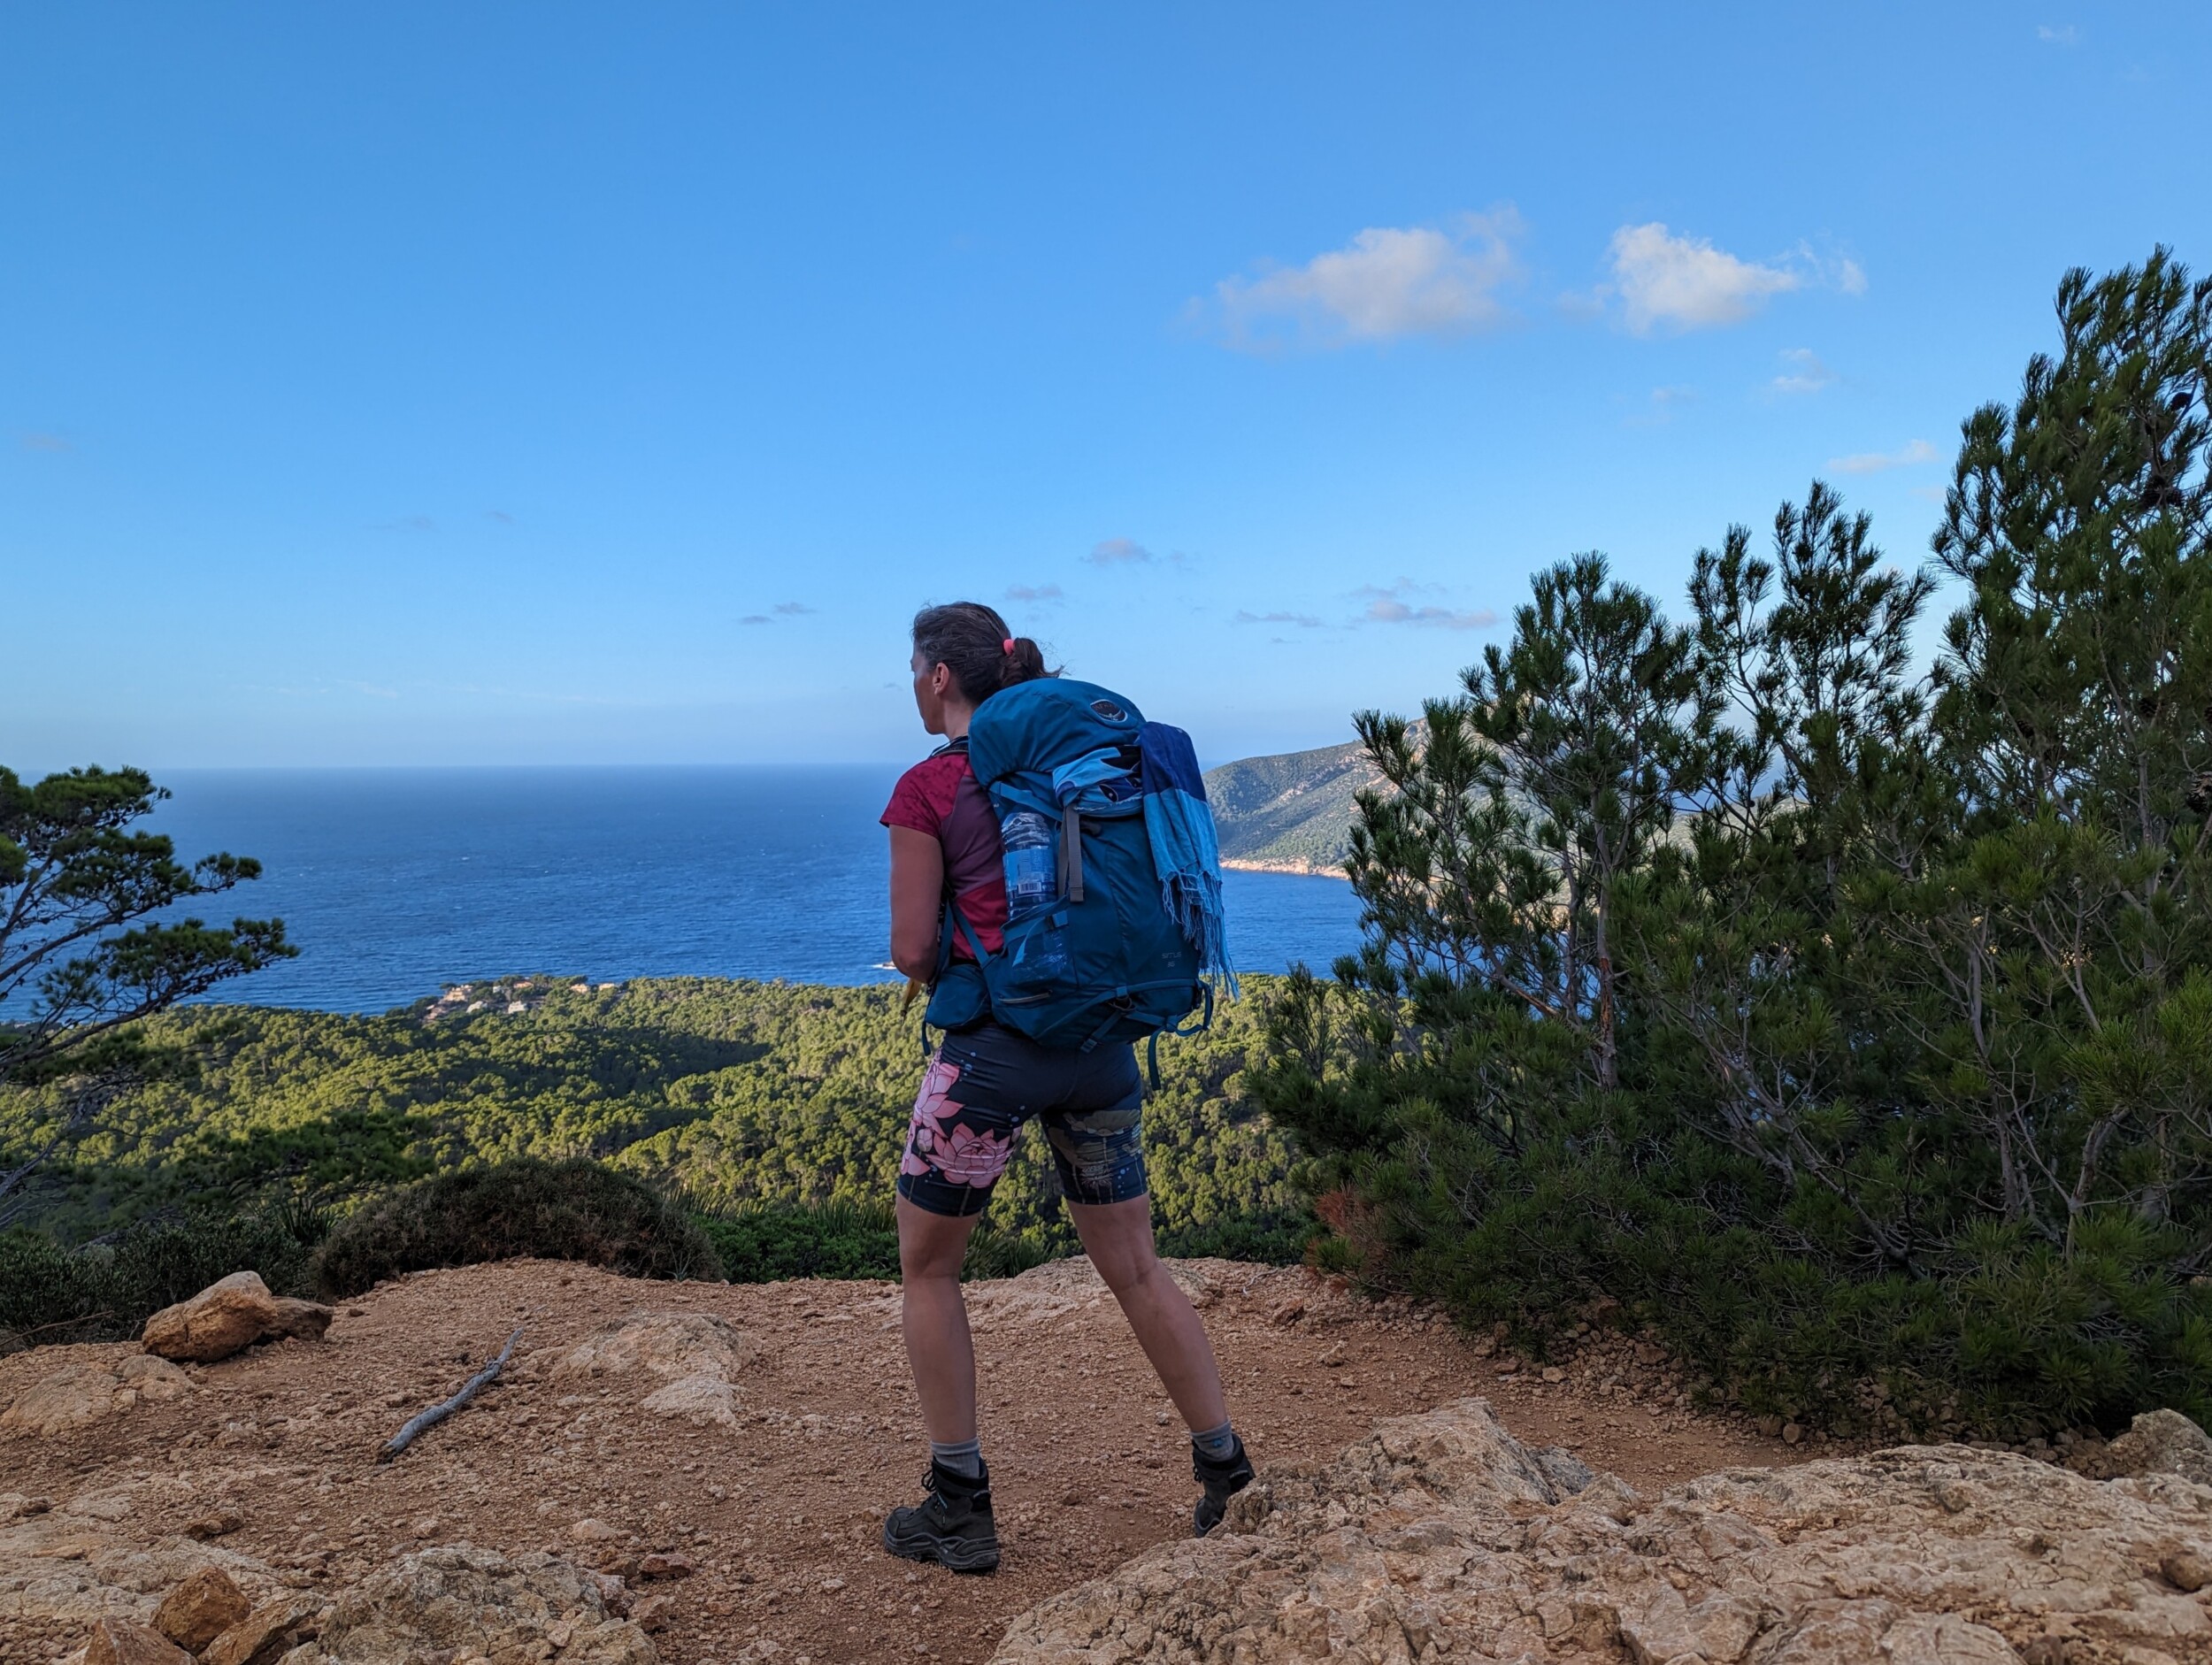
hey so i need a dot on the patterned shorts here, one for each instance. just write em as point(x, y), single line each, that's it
point(984, 1084)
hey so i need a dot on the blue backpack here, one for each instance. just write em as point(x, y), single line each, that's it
point(1092, 951)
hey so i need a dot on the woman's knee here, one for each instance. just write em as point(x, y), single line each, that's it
point(932, 1246)
point(1117, 1237)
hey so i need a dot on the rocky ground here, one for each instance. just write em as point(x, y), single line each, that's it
point(1440, 1538)
point(721, 1456)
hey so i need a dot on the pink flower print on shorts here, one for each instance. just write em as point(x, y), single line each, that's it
point(938, 1147)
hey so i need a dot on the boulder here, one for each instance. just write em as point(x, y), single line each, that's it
point(266, 1634)
point(695, 1355)
point(227, 1317)
point(86, 1390)
point(2157, 1442)
point(308, 1320)
point(458, 1601)
point(201, 1609)
point(1441, 1536)
point(121, 1642)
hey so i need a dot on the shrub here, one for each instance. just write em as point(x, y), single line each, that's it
point(103, 1292)
point(763, 1241)
point(760, 1242)
point(1847, 1026)
point(573, 1210)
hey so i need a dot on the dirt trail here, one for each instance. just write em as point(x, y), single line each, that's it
point(778, 1509)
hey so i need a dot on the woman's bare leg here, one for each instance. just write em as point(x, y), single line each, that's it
point(1117, 1237)
point(939, 1349)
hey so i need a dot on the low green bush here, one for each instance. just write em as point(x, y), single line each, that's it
point(105, 1291)
point(761, 1242)
point(1276, 1239)
point(573, 1210)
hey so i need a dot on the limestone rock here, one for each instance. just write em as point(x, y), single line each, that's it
point(89, 1389)
point(457, 1601)
point(202, 1608)
point(1440, 1536)
point(309, 1320)
point(696, 1355)
point(2158, 1442)
point(228, 1316)
point(266, 1634)
point(68, 1566)
point(121, 1642)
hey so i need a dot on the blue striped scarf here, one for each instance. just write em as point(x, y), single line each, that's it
point(1182, 829)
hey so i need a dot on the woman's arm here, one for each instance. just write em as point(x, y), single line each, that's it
point(917, 900)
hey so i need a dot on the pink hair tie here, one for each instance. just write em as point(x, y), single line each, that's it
point(1007, 646)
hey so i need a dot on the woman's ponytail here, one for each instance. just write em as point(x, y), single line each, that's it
point(1025, 661)
point(974, 642)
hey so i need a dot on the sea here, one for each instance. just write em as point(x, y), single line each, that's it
point(396, 883)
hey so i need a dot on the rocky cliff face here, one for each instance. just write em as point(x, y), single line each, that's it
point(1441, 1538)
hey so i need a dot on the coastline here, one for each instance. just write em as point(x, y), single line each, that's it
point(1303, 869)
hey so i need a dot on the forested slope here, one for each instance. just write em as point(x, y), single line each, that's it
point(730, 1091)
point(1293, 811)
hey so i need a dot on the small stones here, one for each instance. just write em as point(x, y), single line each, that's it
point(220, 1523)
point(667, 1565)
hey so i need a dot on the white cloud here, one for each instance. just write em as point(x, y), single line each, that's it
point(2061, 35)
point(1802, 371)
point(1684, 283)
point(756, 619)
point(1119, 552)
point(791, 609)
point(1387, 282)
point(1399, 604)
point(44, 442)
point(1304, 621)
point(1874, 462)
point(1033, 593)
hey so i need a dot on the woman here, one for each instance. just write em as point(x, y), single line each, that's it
point(981, 1086)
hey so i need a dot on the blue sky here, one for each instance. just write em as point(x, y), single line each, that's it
point(503, 384)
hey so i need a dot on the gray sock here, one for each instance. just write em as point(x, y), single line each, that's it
point(965, 1458)
point(1215, 1444)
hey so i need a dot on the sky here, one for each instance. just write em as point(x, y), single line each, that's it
point(525, 384)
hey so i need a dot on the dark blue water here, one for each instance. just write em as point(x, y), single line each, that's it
point(398, 882)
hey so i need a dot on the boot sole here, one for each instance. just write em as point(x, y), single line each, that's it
point(973, 1558)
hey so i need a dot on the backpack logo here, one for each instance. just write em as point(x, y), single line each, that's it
point(1108, 709)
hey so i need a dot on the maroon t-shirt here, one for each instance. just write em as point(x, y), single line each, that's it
point(940, 796)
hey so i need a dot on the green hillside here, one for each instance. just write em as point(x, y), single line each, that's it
point(729, 1091)
point(1292, 812)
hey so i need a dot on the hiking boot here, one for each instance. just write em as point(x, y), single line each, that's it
point(1223, 1477)
point(954, 1528)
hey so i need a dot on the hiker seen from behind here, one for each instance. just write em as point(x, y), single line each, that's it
point(1056, 889)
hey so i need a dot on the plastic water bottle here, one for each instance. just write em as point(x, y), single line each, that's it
point(1032, 860)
